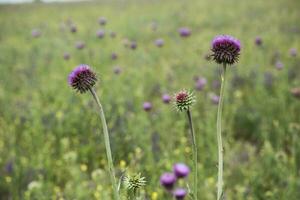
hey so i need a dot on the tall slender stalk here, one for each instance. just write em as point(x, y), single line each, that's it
point(107, 146)
point(219, 136)
point(195, 157)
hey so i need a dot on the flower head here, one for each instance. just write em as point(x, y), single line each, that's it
point(159, 42)
point(82, 78)
point(215, 99)
point(279, 65)
point(184, 32)
point(226, 49)
point(179, 193)
point(293, 52)
point(168, 180)
point(80, 45)
point(181, 170)
point(135, 182)
point(102, 21)
point(73, 28)
point(184, 100)
point(200, 83)
point(133, 45)
point(147, 106)
point(100, 33)
point(166, 98)
point(36, 33)
point(258, 41)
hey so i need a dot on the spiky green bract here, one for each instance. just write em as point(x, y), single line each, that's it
point(183, 100)
point(134, 182)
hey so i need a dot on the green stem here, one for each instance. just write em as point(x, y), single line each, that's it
point(219, 136)
point(107, 146)
point(195, 161)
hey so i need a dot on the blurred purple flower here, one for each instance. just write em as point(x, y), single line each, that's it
point(293, 52)
point(179, 193)
point(215, 99)
point(166, 98)
point(159, 42)
point(35, 33)
point(184, 32)
point(80, 45)
point(147, 106)
point(181, 170)
point(66, 56)
point(133, 45)
point(102, 21)
point(100, 33)
point(258, 41)
point(117, 70)
point(168, 180)
point(114, 56)
point(200, 83)
point(279, 65)
point(73, 28)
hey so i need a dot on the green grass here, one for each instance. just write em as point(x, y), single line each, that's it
point(49, 132)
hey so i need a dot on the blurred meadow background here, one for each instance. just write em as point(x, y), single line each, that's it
point(50, 146)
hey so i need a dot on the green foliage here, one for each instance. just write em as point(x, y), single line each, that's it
point(49, 133)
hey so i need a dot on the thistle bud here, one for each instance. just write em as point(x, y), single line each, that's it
point(184, 100)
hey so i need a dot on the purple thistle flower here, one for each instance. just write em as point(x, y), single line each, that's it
point(117, 70)
point(200, 83)
point(168, 180)
point(279, 65)
point(73, 28)
point(293, 52)
point(215, 99)
point(35, 33)
point(179, 193)
point(102, 21)
point(159, 42)
point(184, 32)
point(100, 33)
point(133, 45)
point(166, 98)
point(80, 45)
point(147, 106)
point(66, 56)
point(258, 41)
point(181, 170)
point(226, 49)
point(114, 56)
point(82, 78)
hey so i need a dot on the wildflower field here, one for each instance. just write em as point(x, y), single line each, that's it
point(142, 53)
